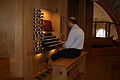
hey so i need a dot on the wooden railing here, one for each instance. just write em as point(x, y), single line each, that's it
point(109, 27)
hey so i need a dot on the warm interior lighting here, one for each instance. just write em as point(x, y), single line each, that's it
point(44, 32)
point(52, 51)
point(47, 14)
point(38, 55)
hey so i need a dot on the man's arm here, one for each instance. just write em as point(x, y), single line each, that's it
point(70, 39)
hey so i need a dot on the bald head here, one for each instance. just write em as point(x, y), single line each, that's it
point(73, 18)
point(71, 21)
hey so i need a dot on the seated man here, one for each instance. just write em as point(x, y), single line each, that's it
point(74, 43)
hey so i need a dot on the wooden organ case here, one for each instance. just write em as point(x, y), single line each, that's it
point(43, 36)
point(44, 40)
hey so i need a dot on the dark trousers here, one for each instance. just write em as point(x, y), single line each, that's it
point(66, 53)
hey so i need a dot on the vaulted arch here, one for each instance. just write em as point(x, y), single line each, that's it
point(112, 12)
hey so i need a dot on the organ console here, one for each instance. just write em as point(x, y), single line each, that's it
point(42, 36)
point(44, 42)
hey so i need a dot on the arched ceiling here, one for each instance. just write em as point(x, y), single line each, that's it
point(109, 7)
point(116, 4)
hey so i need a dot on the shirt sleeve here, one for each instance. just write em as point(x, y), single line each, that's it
point(70, 39)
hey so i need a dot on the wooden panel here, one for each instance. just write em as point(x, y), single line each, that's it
point(11, 34)
point(100, 42)
point(16, 67)
point(116, 64)
point(15, 79)
point(47, 4)
point(37, 4)
point(7, 26)
point(27, 38)
point(16, 32)
point(4, 68)
point(73, 8)
point(56, 24)
point(116, 74)
point(106, 51)
point(89, 19)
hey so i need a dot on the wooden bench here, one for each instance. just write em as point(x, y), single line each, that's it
point(68, 68)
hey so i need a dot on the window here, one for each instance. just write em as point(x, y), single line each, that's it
point(100, 33)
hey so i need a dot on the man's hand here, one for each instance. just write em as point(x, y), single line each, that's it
point(62, 42)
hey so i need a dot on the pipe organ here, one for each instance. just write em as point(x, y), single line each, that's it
point(43, 33)
point(44, 41)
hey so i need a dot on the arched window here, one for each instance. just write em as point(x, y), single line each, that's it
point(100, 33)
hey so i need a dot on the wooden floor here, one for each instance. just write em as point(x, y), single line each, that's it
point(99, 69)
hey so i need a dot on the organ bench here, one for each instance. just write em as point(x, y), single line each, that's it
point(68, 68)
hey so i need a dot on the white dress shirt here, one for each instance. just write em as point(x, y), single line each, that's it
point(75, 38)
